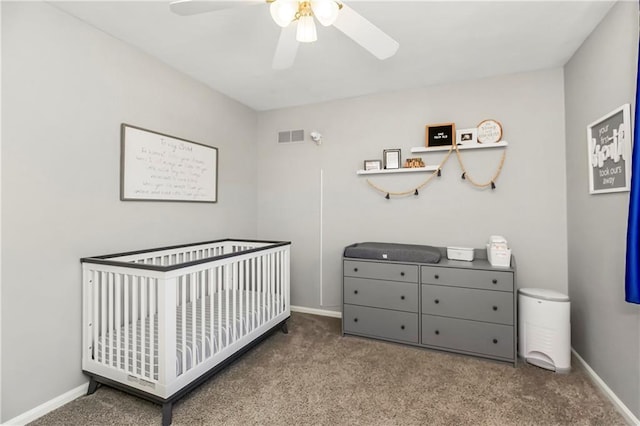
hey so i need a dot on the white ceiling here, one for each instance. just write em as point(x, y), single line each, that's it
point(231, 50)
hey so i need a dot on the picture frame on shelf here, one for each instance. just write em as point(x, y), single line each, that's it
point(442, 134)
point(609, 151)
point(391, 158)
point(467, 136)
point(372, 165)
point(489, 131)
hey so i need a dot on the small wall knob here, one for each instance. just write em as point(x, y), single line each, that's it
point(495, 281)
point(402, 327)
point(437, 331)
point(355, 320)
point(402, 297)
point(436, 301)
point(355, 291)
point(495, 308)
point(402, 274)
point(495, 341)
point(355, 269)
point(436, 276)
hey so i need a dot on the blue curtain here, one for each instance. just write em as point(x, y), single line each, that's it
point(632, 282)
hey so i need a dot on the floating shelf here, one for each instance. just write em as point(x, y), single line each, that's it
point(423, 149)
point(403, 170)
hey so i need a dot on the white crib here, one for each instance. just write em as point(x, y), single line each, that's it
point(157, 323)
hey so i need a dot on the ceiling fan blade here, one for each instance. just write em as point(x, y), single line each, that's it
point(194, 7)
point(367, 35)
point(286, 49)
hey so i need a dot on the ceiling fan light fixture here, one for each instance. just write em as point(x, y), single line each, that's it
point(306, 31)
point(283, 12)
point(326, 11)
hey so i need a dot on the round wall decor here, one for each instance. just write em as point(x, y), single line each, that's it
point(489, 131)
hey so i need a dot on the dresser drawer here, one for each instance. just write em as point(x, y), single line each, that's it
point(473, 278)
point(381, 294)
point(381, 271)
point(469, 336)
point(384, 323)
point(468, 303)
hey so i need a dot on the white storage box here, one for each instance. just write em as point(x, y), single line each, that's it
point(460, 253)
point(499, 258)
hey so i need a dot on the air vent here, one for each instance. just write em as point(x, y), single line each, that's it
point(287, 136)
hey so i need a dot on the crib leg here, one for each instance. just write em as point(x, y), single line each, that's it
point(93, 385)
point(167, 413)
point(284, 328)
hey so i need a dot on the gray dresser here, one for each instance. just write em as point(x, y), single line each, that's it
point(457, 306)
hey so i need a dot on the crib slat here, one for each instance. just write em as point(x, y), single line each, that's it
point(95, 319)
point(226, 302)
point(192, 334)
point(127, 322)
point(118, 323)
point(234, 281)
point(183, 321)
point(279, 289)
point(203, 313)
point(135, 300)
point(262, 283)
point(109, 354)
point(254, 274)
point(270, 286)
point(245, 277)
point(152, 318)
point(143, 326)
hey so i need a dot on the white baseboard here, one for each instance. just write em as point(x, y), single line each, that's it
point(313, 311)
point(629, 417)
point(49, 406)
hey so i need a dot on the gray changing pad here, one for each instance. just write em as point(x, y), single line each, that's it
point(394, 252)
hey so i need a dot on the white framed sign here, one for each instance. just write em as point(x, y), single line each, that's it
point(159, 167)
point(609, 149)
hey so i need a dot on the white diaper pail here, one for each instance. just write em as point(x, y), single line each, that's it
point(544, 329)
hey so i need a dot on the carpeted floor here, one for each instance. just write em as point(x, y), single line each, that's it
point(314, 376)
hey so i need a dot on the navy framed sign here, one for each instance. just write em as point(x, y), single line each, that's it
point(609, 144)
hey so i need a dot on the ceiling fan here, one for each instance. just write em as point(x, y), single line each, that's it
point(298, 25)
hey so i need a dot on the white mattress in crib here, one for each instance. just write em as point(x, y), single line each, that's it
point(245, 320)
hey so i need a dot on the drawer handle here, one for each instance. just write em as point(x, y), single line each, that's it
point(402, 297)
point(495, 308)
point(437, 331)
point(355, 291)
point(436, 276)
point(402, 327)
point(402, 274)
point(436, 301)
point(355, 269)
point(355, 320)
point(495, 341)
point(495, 281)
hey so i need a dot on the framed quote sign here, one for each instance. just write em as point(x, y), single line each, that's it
point(440, 134)
point(159, 167)
point(609, 150)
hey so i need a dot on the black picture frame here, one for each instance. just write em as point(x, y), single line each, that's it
point(372, 165)
point(443, 134)
point(392, 158)
point(159, 167)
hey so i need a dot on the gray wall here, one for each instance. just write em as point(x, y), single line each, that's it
point(66, 88)
point(528, 207)
point(599, 78)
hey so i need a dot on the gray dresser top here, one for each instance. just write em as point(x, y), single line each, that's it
point(479, 261)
